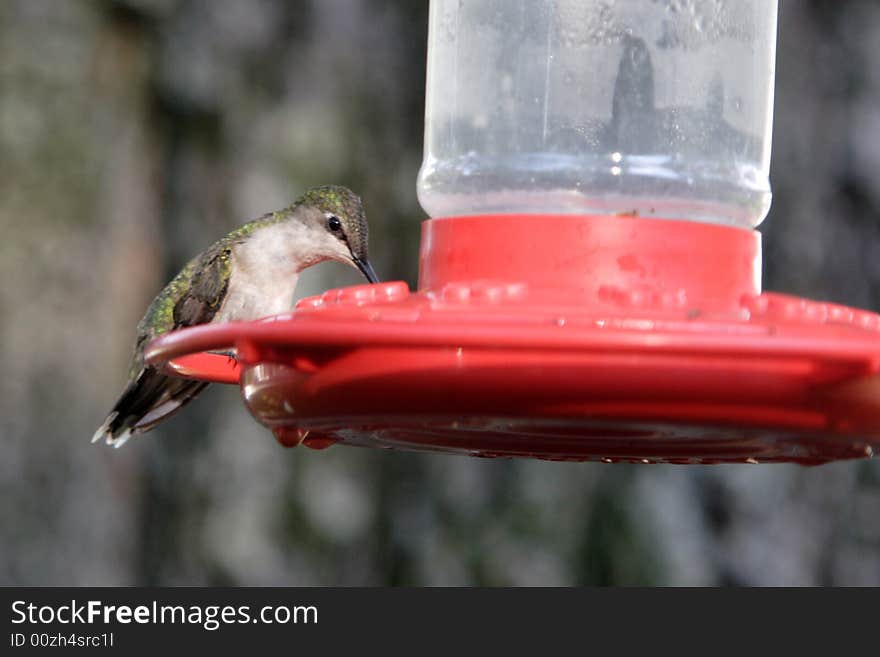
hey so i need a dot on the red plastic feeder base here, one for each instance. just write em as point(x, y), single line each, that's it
point(563, 338)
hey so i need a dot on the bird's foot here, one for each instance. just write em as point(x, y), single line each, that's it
point(231, 356)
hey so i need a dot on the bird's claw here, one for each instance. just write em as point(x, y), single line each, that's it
point(231, 356)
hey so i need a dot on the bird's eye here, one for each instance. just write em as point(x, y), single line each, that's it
point(334, 224)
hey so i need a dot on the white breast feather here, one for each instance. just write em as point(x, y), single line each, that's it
point(265, 270)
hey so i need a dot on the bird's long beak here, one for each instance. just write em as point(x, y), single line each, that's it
point(367, 270)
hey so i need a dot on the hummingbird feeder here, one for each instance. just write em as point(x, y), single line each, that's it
point(590, 276)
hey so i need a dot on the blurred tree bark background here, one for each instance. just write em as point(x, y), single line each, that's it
point(134, 132)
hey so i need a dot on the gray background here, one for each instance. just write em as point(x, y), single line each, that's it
point(130, 132)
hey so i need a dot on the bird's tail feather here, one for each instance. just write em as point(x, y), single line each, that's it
point(147, 400)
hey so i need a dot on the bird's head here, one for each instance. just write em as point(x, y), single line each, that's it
point(338, 226)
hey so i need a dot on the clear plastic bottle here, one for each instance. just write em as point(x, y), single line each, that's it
point(654, 108)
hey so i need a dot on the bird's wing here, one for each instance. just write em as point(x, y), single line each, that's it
point(209, 282)
point(193, 297)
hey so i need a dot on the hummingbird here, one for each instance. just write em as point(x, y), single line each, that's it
point(250, 273)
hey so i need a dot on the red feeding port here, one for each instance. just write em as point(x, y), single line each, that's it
point(571, 338)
